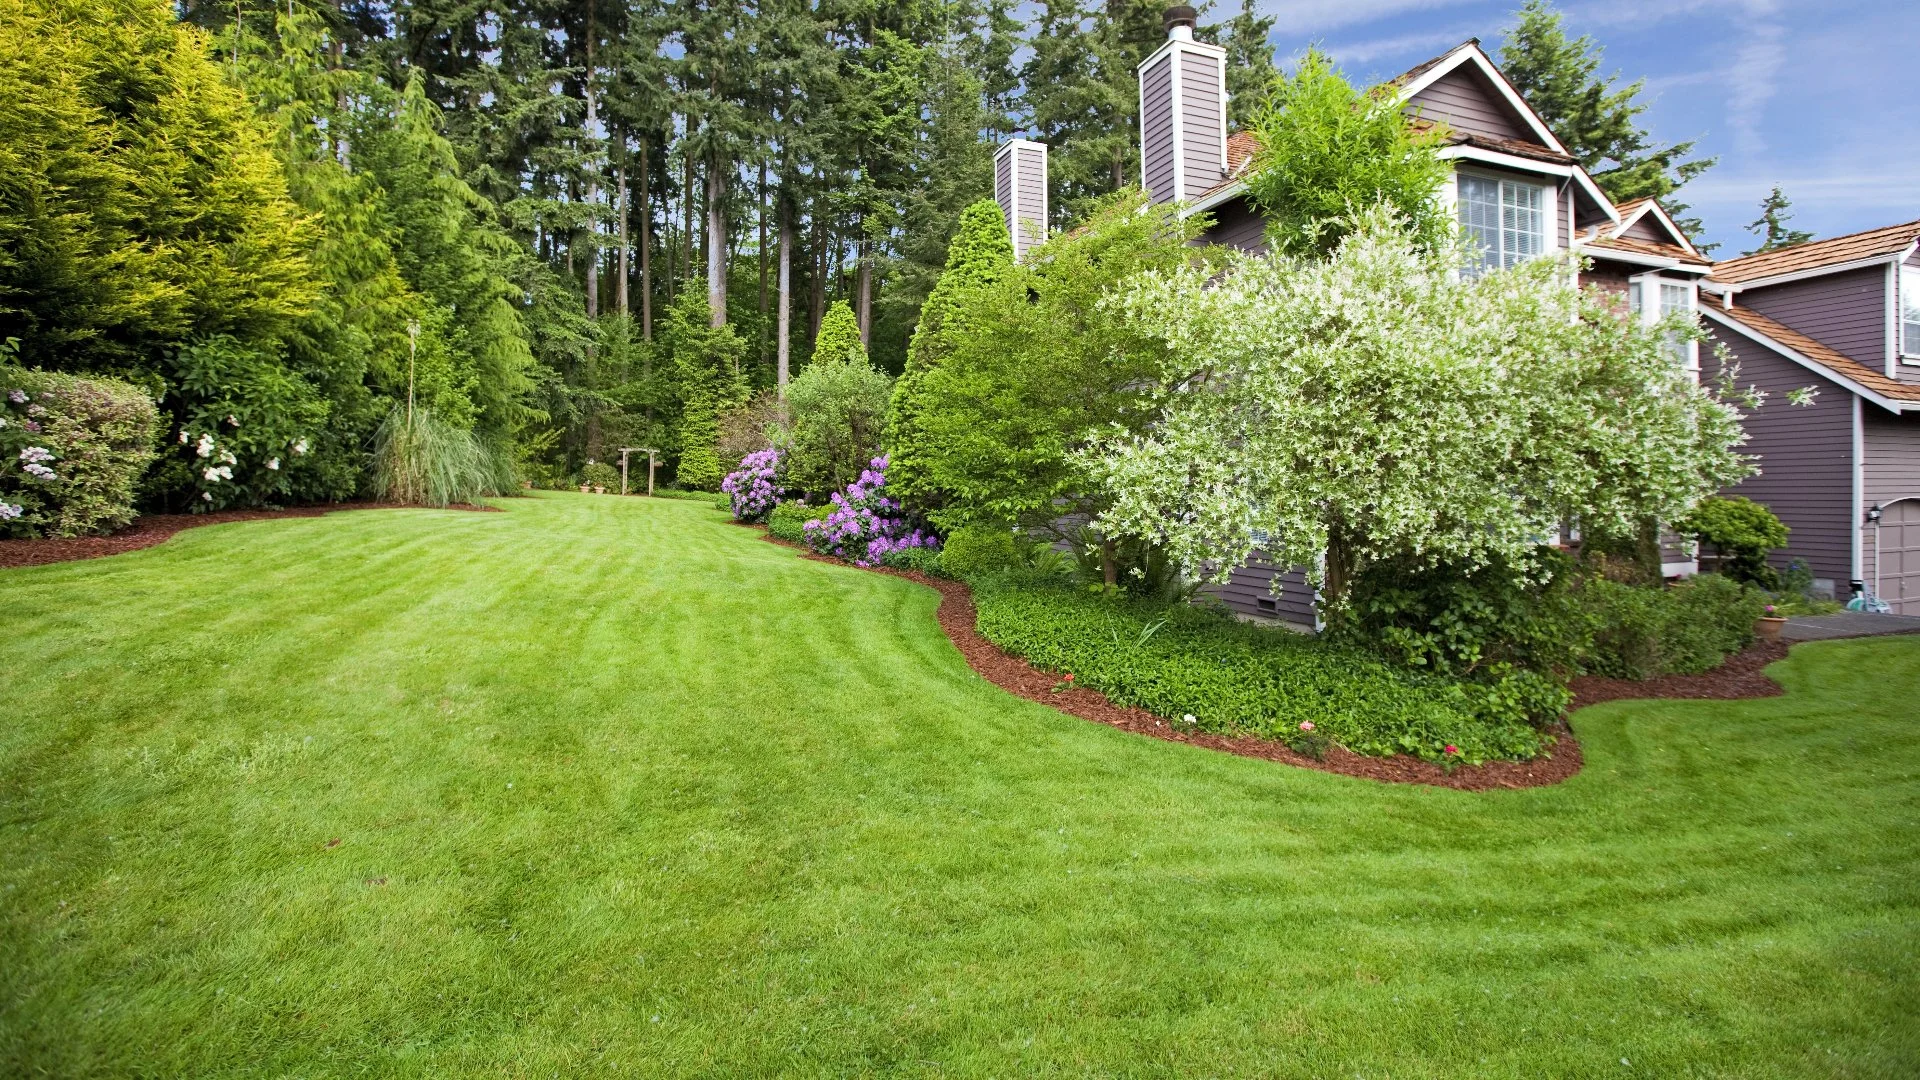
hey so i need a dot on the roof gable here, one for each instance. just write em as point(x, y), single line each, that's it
point(1889, 393)
point(1646, 220)
point(1464, 88)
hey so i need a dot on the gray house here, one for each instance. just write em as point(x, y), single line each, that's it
point(1518, 195)
point(1842, 316)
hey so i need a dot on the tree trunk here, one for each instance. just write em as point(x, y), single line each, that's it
point(626, 265)
point(1338, 575)
point(762, 222)
point(817, 292)
point(593, 180)
point(716, 239)
point(686, 211)
point(863, 278)
point(1109, 564)
point(646, 247)
point(786, 293)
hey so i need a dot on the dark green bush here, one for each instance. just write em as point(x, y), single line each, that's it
point(71, 452)
point(1176, 660)
point(601, 474)
point(1465, 622)
point(924, 559)
point(1742, 533)
point(788, 520)
point(981, 550)
point(1640, 632)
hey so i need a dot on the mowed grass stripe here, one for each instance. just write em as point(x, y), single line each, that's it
point(593, 761)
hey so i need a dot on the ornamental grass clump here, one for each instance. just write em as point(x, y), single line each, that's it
point(421, 461)
point(754, 489)
point(864, 526)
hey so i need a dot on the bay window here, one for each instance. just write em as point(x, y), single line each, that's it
point(1504, 221)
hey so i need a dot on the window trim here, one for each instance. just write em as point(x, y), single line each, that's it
point(1906, 282)
point(1549, 210)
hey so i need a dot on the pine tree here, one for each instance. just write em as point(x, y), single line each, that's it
point(1771, 225)
point(981, 254)
point(839, 338)
point(706, 361)
point(1600, 125)
point(1248, 39)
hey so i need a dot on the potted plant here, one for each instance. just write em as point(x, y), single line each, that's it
point(1769, 625)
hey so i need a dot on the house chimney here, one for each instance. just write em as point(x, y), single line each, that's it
point(1183, 114)
point(1020, 187)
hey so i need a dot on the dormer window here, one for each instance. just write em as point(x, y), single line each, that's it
point(1504, 221)
point(1910, 311)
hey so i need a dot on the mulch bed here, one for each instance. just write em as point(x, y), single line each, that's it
point(151, 529)
point(1739, 677)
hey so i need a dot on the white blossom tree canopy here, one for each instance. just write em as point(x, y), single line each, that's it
point(1378, 404)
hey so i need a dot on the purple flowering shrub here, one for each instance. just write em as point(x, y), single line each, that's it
point(865, 526)
point(72, 452)
point(755, 488)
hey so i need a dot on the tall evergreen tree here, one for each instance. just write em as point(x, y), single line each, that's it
point(1771, 226)
point(706, 362)
point(1600, 125)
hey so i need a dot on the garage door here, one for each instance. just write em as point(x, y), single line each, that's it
point(1899, 536)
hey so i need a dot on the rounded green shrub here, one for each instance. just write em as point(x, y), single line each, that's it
point(789, 520)
point(71, 452)
point(1742, 532)
point(980, 550)
point(601, 474)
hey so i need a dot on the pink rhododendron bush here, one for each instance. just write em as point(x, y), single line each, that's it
point(865, 524)
point(71, 451)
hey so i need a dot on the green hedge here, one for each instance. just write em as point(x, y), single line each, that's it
point(1681, 629)
point(1178, 660)
point(71, 451)
point(788, 520)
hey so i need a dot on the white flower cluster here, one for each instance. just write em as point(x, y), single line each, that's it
point(217, 473)
point(300, 446)
point(204, 448)
point(9, 511)
point(1377, 404)
point(33, 461)
point(18, 397)
point(273, 463)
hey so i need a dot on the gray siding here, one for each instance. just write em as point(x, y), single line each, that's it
point(1647, 228)
point(1846, 312)
point(1893, 454)
point(1203, 123)
point(1156, 147)
point(1466, 101)
point(1236, 224)
point(1032, 178)
point(1805, 456)
point(1249, 591)
point(1003, 186)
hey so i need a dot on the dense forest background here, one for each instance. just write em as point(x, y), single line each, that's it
point(531, 209)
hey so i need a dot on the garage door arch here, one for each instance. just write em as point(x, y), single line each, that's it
point(1896, 538)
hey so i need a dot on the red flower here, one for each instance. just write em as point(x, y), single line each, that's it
point(1069, 676)
point(1452, 749)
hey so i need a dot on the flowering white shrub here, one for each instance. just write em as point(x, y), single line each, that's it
point(1377, 404)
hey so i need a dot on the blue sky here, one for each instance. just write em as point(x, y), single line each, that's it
point(1819, 97)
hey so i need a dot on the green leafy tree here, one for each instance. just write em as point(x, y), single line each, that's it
point(1035, 367)
point(1742, 532)
point(1771, 226)
point(981, 253)
point(838, 406)
point(1600, 125)
point(706, 363)
point(1328, 150)
point(1378, 406)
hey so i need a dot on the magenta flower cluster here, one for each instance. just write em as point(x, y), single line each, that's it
point(755, 487)
point(865, 525)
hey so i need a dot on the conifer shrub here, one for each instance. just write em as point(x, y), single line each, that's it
point(71, 452)
point(1742, 532)
point(838, 406)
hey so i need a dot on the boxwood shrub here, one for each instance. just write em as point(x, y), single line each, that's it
point(788, 520)
point(71, 452)
point(1176, 660)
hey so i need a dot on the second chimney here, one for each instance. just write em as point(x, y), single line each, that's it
point(1020, 187)
point(1183, 114)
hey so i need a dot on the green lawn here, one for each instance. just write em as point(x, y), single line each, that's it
point(621, 789)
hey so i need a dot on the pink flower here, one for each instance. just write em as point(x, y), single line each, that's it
point(1306, 725)
point(1069, 676)
point(1452, 749)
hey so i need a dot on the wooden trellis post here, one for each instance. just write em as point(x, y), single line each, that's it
point(651, 462)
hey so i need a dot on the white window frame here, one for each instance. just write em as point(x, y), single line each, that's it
point(1647, 300)
point(1908, 290)
point(1549, 234)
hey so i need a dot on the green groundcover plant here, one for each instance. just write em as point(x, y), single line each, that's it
point(1203, 669)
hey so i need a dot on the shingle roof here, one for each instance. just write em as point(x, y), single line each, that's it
point(1420, 69)
point(1647, 247)
point(1888, 241)
point(1845, 367)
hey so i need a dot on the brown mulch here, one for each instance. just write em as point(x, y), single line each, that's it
point(151, 529)
point(1739, 677)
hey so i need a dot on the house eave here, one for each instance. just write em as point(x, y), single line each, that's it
point(1813, 272)
point(1890, 404)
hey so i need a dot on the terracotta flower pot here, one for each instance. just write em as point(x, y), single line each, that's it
point(584, 488)
point(1768, 627)
point(599, 490)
